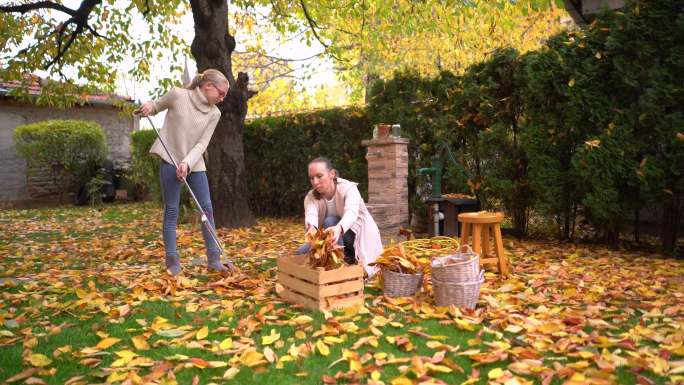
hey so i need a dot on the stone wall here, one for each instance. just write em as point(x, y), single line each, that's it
point(14, 187)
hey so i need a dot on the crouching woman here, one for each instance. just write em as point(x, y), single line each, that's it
point(336, 203)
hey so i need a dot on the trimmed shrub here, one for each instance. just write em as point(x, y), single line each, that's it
point(144, 171)
point(66, 149)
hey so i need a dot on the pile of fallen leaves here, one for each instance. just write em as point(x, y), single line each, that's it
point(395, 258)
point(458, 196)
point(324, 252)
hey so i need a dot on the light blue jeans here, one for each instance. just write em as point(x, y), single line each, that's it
point(171, 188)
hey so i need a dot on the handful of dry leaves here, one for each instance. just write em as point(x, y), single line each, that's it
point(395, 258)
point(323, 253)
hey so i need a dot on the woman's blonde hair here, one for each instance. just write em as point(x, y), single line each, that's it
point(210, 75)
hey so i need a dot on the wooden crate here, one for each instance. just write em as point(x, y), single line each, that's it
point(319, 289)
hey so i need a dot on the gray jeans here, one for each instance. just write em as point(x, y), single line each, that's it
point(171, 188)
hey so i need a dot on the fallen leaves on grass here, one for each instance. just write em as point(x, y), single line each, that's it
point(570, 314)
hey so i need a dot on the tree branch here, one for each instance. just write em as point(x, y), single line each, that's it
point(312, 23)
point(79, 18)
point(147, 10)
point(23, 8)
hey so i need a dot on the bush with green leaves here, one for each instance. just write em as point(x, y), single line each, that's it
point(426, 109)
point(144, 171)
point(278, 150)
point(66, 149)
point(589, 126)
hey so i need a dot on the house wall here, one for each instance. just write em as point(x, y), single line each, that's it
point(13, 185)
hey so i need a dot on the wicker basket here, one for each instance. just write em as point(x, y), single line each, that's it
point(465, 269)
point(461, 294)
point(399, 284)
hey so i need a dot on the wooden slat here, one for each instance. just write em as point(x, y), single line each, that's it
point(319, 292)
point(340, 288)
point(296, 298)
point(500, 252)
point(344, 273)
point(330, 303)
point(344, 302)
point(286, 265)
point(298, 285)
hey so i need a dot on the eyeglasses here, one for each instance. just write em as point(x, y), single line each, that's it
point(221, 93)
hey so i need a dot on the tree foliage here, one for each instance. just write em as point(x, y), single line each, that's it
point(376, 38)
point(587, 127)
point(89, 46)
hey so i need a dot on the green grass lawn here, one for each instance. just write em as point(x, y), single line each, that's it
point(89, 302)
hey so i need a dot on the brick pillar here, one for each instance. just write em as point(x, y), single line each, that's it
point(388, 183)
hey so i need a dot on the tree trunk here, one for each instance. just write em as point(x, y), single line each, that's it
point(212, 48)
point(672, 214)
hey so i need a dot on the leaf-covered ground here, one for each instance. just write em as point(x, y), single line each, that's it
point(85, 300)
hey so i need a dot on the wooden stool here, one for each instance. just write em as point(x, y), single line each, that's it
point(479, 225)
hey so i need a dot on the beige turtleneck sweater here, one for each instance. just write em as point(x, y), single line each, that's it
point(188, 126)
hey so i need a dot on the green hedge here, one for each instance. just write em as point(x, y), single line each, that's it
point(144, 171)
point(67, 149)
point(588, 127)
point(278, 150)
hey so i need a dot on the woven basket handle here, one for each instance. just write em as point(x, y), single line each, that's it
point(468, 249)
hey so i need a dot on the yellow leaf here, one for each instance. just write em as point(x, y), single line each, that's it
point(437, 368)
point(293, 351)
point(39, 360)
point(322, 348)
point(434, 344)
point(126, 354)
point(571, 82)
point(107, 342)
point(301, 320)
point(202, 333)
point(231, 373)
point(217, 364)
point(495, 373)
point(333, 340)
point(273, 337)
point(402, 381)
point(140, 343)
point(117, 376)
point(355, 365)
point(300, 335)
point(375, 375)
point(579, 365)
point(226, 344)
point(121, 362)
point(251, 358)
point(270, 354)
point(463, 324)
